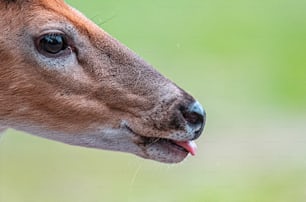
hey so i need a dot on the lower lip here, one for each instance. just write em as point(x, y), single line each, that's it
point(175, 146)
point(165, 142)
point(189, 146)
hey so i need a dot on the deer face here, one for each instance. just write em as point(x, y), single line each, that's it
point(65, 79)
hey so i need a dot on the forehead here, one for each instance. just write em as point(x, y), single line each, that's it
point(45, 11)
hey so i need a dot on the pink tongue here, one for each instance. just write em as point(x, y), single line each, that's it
point(190, 146)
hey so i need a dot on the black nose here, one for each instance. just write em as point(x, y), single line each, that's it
point(195, 117)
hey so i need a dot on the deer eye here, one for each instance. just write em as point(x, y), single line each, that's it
point(52, 44)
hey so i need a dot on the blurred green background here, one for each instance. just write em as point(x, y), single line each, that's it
point(244, 60)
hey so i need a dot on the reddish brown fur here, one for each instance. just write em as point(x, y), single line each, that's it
point(107, 87)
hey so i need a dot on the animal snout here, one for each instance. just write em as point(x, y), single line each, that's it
point(195, 117)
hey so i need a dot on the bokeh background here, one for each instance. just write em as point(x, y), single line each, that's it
point(244, 60)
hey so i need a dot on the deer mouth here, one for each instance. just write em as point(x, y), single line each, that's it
point(164, 149)
point(185, 146)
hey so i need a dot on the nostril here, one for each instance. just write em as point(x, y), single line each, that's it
point(195, 118)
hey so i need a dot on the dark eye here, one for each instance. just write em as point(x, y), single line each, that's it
point(52, 44)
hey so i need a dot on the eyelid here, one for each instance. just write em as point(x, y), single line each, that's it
point(46, 31)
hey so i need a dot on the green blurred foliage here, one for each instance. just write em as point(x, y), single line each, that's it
point(256, 49)
point(245, 61)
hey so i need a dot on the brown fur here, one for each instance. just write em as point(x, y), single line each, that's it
point(107, 87)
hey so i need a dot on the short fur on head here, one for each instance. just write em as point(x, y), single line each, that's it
point(95, 92)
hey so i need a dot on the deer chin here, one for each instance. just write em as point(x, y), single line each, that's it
point(163, 149)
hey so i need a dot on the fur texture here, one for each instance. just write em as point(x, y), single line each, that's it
point(99, 95)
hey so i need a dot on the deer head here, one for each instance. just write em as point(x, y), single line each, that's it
point(65, 79)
